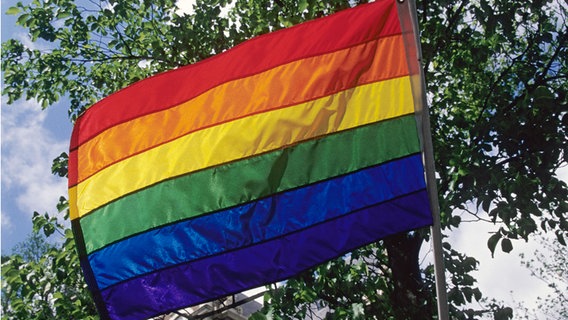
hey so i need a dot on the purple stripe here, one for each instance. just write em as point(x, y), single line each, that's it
point(235, 271)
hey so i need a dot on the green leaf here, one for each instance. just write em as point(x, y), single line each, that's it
point(23, 19)
point(302, 5)
point(560, 238)
point(506, 245)
point(358, 310)
point(63, 14)
point(492, 242)
point(485, 205)
point(455, 221)
point(477, 294)
point(13, 11)
point(258, 316)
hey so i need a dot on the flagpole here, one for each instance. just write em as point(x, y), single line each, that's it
point(424, 121)
point(436, 228)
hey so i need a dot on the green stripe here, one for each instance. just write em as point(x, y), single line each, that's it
point(242, 181)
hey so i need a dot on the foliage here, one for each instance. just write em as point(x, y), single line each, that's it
point(33, 248)
point(351, 287)
point(496, 72)
point(45, 281)
point(497, 76)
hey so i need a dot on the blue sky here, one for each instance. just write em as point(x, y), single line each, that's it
point(32, 138)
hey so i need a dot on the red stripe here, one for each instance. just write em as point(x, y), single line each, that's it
point(365, 23)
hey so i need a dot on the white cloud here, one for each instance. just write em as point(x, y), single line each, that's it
point(24, 37)
point(28, 149)
point(6, 221)
point(562, 173)
point(185, 6)
point(501, 277)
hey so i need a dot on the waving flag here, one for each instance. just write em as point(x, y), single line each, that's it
point(247, 168)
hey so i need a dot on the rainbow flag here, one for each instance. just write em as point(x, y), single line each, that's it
point(247, 168)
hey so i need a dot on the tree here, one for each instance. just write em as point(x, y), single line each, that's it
point(496, 73)
point(44, 281)
point(33, 248)
point(549, 264)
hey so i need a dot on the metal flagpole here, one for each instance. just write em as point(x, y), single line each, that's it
point(409, 20)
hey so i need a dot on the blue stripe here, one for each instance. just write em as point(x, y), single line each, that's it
point(235, 271)
point(255, 222)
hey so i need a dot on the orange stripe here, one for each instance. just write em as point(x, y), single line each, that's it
point(289, 84)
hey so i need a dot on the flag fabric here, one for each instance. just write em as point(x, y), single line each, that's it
point(249, 167)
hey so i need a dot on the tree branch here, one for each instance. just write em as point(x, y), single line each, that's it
point(501, 76)
point(451, 24)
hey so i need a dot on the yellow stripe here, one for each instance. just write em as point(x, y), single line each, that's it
point(246, 137)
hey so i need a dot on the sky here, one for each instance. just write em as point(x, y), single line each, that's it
point(32, 138)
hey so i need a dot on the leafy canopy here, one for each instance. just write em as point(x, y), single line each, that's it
point(496, 73)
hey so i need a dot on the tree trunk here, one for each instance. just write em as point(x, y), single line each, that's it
point(410, 300)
